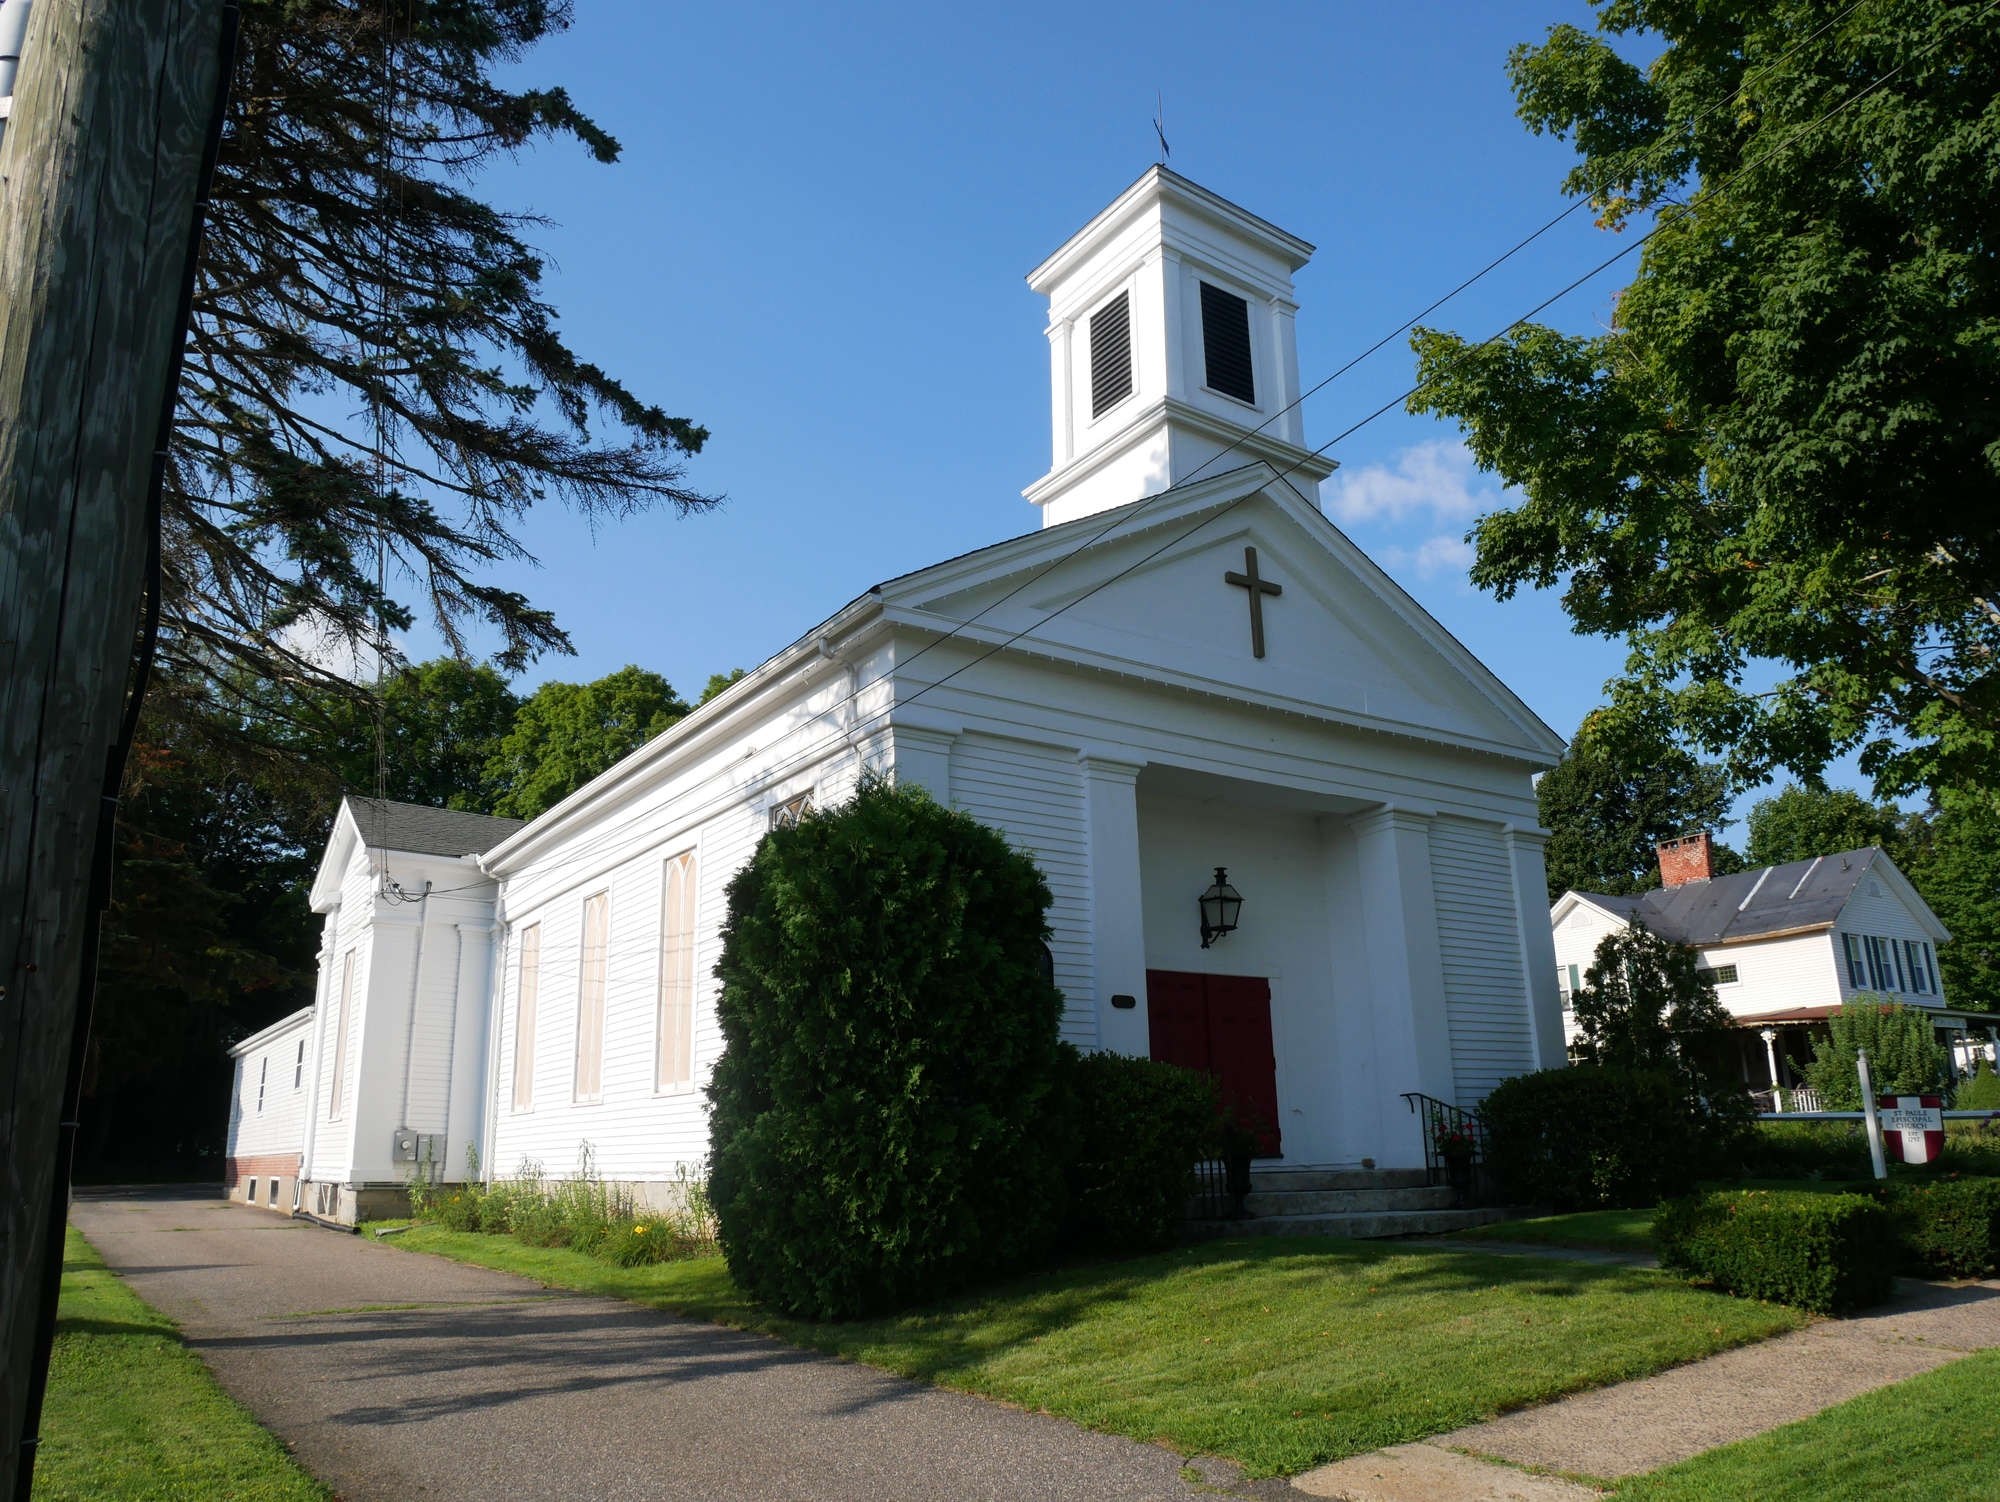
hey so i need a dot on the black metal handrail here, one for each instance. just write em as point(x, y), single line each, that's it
point(1455, 1147)
point(1212, 1198)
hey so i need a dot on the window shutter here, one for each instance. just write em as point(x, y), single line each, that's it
point(1110, 354)
point(1855, 976)
point(1225, 342)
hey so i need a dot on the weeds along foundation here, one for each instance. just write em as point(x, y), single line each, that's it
point(583, 1213)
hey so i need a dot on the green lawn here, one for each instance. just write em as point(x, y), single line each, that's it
point(132, 1413)
point(1932, 1437)
point(1594, 1230)
point(1282, 1354)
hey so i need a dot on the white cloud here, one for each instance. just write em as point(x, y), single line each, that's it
point(314, 640)
point(1435, 480)
point(1443, 554)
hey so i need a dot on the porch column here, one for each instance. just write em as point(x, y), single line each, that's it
point(1538, 947)
point(1405, 970)
point(1117, 916)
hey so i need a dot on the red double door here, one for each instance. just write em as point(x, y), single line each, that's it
point(1221, 1024)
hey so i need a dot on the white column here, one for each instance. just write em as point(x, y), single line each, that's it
point(465, 1090)
point(1405, 971)
point(1284, 365)
point(1176, 350)
point(1117, 913)
point(1061, 422)
point(1365, 1106)
point(1538, 944)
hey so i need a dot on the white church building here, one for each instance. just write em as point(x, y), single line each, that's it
point(1187, 667)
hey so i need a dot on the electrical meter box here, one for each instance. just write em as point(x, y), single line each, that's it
point(417, 1147)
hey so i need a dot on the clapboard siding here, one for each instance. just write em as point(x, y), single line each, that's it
point(275, 1123)
point(1479, 940)
point(1034, 794)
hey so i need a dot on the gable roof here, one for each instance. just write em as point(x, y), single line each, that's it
point(1019, 594)
point(1758, 904)
point(387, 825)
point(1015, 596)
point(269, 1034)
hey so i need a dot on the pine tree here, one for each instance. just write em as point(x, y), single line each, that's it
point(376, 390)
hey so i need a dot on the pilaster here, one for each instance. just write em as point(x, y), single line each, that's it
point(1538, 948)
point(1117, 915)
point(1405, 968)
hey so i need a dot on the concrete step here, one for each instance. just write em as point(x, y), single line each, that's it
point(1265, 1180)
point(1361, 1226)
point(1349, 1201)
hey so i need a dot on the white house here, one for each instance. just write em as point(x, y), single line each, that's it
point(1188, 667)
point(1786, 945)
point(267, 1113)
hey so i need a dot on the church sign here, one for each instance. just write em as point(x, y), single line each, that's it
point(1913, 1127)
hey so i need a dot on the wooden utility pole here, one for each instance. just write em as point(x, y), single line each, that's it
point(99, 165)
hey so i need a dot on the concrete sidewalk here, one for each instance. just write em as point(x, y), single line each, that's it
point(395, 1376)
point(1613, 1432)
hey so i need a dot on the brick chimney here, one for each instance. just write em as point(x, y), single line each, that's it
point(1690, 858)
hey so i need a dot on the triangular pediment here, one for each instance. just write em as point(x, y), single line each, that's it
point(1146, 590)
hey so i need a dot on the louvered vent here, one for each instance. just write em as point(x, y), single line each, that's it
point(1225, 339)
point(1110, 355)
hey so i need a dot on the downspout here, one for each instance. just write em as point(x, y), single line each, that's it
point(850, 717)
point(489, 1135)
point(410, 1026)
point(451, 1030)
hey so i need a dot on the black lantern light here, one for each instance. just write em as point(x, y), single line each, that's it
point(1220, 905)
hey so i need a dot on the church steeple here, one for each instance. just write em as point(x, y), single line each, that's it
point(1170, 338)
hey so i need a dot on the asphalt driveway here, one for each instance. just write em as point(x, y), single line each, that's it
point(395, 1375)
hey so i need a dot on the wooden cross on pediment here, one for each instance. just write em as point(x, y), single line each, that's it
point(1258, 589)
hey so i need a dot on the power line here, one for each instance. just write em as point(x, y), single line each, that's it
point(848, 734)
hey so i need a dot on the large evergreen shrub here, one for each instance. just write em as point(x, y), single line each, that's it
point(1601, 1136)
point(1904, 1057)
point(882, 1127)
point(1139, 1128)
point(1981, 1092)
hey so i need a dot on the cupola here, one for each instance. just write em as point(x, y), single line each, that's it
point(1172, 349)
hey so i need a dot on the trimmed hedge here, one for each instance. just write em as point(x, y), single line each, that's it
point(1139, 1126)
point(1948, 1229)
point(1823, 1252)
point(886, 1120)
point(1600, 1137)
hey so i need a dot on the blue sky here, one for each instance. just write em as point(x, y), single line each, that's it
point(816, 241)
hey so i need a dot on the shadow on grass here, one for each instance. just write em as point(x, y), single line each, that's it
point(113, 1327)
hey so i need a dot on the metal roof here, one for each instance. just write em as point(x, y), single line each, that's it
point(388, 825)
point(1748, 904)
